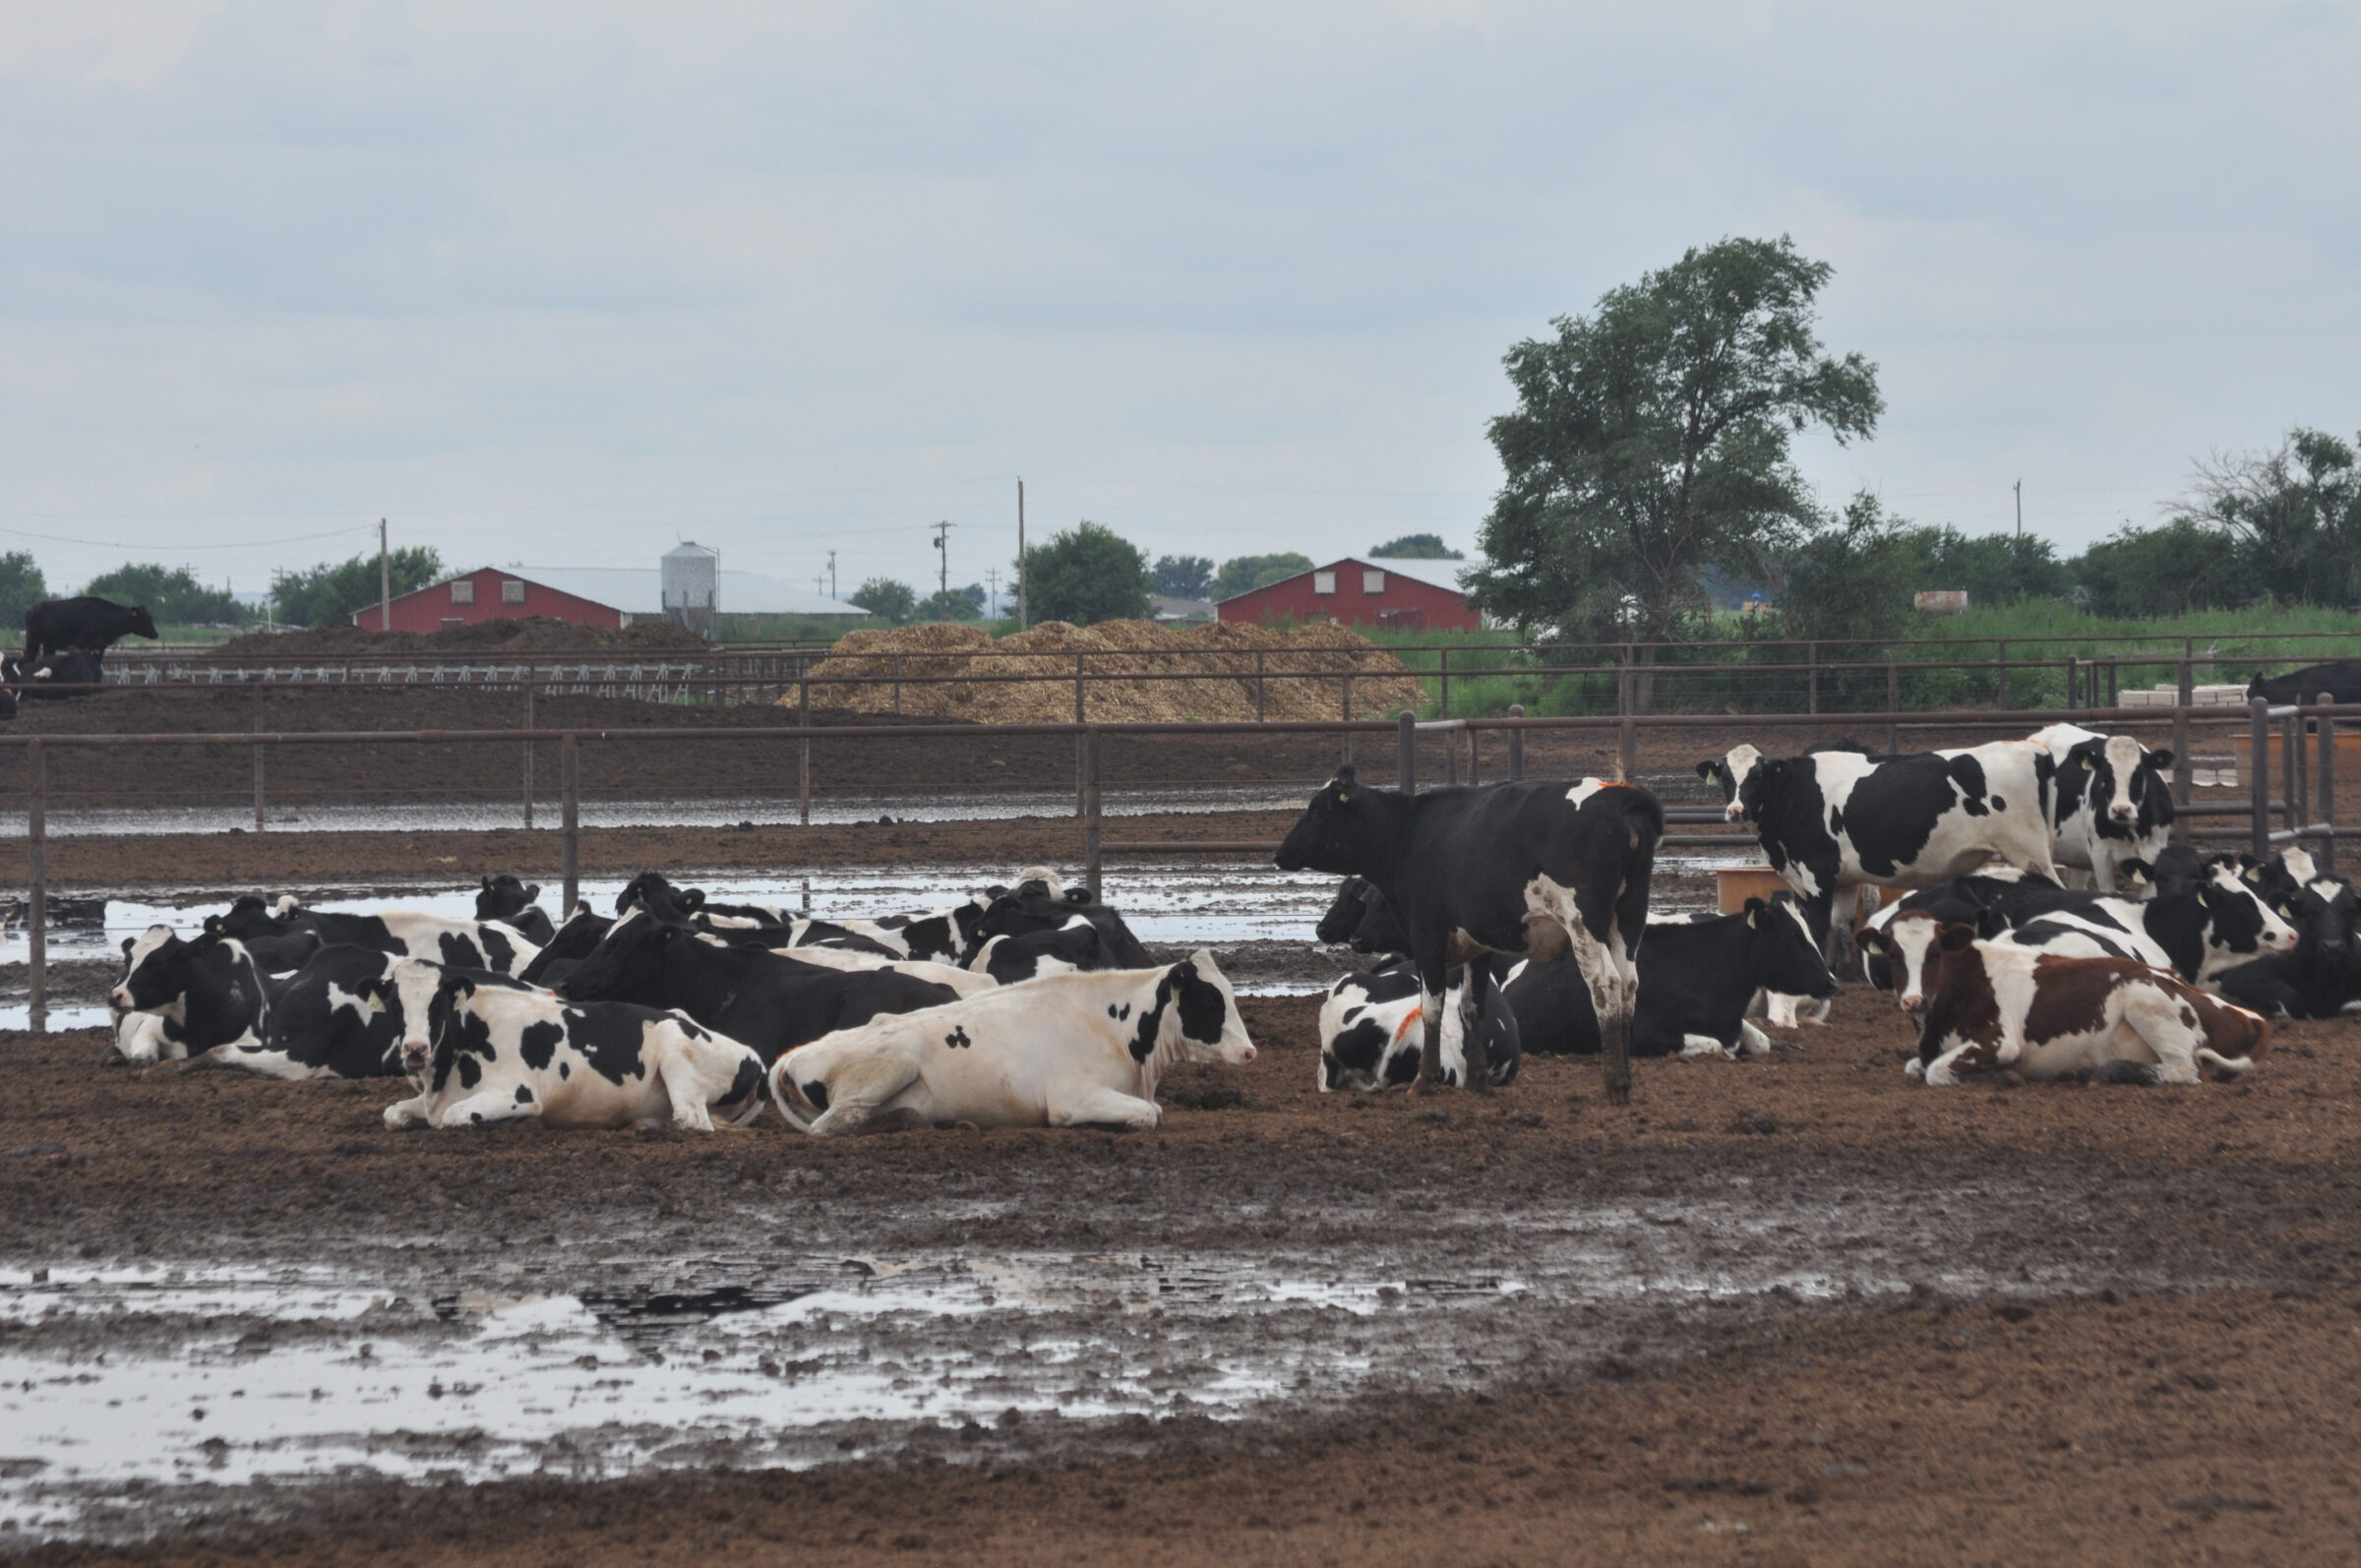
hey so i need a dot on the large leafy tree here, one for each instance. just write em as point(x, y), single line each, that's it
point(331, 590)
point(2294, 514)
point(173, 596)
point(1415, 547)
point(1651, 442)
point(887, 599)
point(22, 587)
point(1244, 573)
point(1087, 573)
point(1182, 577)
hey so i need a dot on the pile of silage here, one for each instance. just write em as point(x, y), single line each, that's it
point(952, 671)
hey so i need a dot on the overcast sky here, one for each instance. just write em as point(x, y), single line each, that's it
point(559, 284)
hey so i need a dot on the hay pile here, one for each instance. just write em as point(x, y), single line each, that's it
point(1304, 666)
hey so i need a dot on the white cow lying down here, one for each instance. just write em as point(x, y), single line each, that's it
point(484, 1049)
point(1065, 1051)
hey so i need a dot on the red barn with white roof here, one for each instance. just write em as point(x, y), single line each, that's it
point(491, 594)
point(1357, 592)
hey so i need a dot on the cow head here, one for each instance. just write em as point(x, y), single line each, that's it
point(649, 888)
point(1039, 881)
point(2239, 924)
point(1740, 775)
point(155, 974)
point(1346, 829)
point(2124, 786)
point(1195, 1014)
point(502, 896)
point(143, 625)
point(1346, 912)
point(249, 918)
point(628, 962)
point(1911, 943)
point(1781, 954)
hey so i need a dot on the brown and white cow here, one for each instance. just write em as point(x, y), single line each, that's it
point(1998, 1007)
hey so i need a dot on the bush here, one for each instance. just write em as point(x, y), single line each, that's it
point(330, 592)
point(894, 602)
point(22, 587)
point(172, 598)
point(1087, 573)
point(1244, 573)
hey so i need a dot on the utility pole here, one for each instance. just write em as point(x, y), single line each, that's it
point(385, 582)
point(942, 548)
point(832, 573)
point(1024, 605)
point(991, 584)
point(2018, 487)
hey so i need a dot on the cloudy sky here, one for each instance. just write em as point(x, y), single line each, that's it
point(559, 285)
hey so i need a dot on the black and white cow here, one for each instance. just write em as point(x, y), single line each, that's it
point(2320, 976)
point(1531, 868)
point(86, 624)
point(845, 961)
point(934, 936)
point(207, 996)
point(408, 932)
point(1370, 1033)
point(573, 942)
point(1030, 908)
point(511, 902)
point(272, 956)
point(1698, 976)
point(59, 675)
point(748, 925)
point(2110, 802)
point(1078, 1049)
point(768, 1001)
point(485, 1050)
point(2198, 928)
point(1839, 818)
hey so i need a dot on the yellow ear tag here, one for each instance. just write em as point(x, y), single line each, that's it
point(377, 1003)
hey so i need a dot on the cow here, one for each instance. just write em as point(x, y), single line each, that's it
point(207, 994)
point(484, 1049)
point(1370, 1039)
point(573, 942)
point(934, 936)
point(2320, 976)
point(1069, 1050)
point(511, 902)
point(58, 677)
point(1698, 976)
point(410, 933)
point(754, 925)
point(1035, 906)
point(2197, 927)
point(2339, 678)
point(86, 624)
point(2109, 800)
point(1999, 1008)
point(272, 956)
point(1532, 869)
point(338, 1016)
point(1840, 818)
point(768, 1001)
point(846, 961)
point(1359, 918)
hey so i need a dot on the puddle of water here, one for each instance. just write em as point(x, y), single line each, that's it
point(56, 1019)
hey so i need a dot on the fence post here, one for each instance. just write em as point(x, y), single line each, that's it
point(1258, 658)
point(803, 759)
point(1516, 743)
point(2004, 675)
point(2326, 815)
point(36, 910)
point(569, 817)
point(1408, 750)
point(2181, 763)
point(258, 761)
point(1446, 669)
point(2258, 776)
point(528, 759)
point(1091, 813)
point(1811, 676)
point(2291, 767)
point(1348, 713)
point(1082, 742)
point(1893, 707)
point(1450, 756)
point(897, 684)
point(1628, 740)
point(2073, 669)
point(1475, 756)
point(2114, 674)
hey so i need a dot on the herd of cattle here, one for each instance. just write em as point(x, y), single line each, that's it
point(1508, 918)
point(1017, 1006)
point(65, 648)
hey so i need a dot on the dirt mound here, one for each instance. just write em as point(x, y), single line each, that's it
point(532, 633)
point(1206, 674)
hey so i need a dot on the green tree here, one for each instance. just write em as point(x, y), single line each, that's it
point(1415, 547)
point(173, 597)
point(2183, 565)
point(22, 587)
point(958, 604)
point(1244, 573)
point(1845, 580)
point(1651, 441)
point(1087, 573)
point(1994, 567)
point(1182, 577)
point(2294, 514)
point(887, 599)
point(331, 591)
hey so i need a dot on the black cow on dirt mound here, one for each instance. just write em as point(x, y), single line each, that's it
point(91, 624)
point(1533, 869)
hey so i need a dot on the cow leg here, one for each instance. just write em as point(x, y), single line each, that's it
point(1476, 1068)
point(493, 1105)
point(1106, 1108)
point(1752, 1042)
point(1431, 978)
point(1610, 973)
point(1705, 1045)
point(691, 1092)
point(411, 1113)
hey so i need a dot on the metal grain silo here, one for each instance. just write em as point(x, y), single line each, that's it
point(691, 586)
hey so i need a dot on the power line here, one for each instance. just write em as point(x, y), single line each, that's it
point(150, 544)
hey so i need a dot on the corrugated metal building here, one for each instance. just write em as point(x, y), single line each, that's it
point(1357, 592)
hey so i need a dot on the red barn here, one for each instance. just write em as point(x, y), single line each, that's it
point(1357, 592)
point(490, 594)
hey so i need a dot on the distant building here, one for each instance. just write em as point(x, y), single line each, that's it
point(1357, 592)
point(1174, 611)
point(641, 591)
point(492, 593)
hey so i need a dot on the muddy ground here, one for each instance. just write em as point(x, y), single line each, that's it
point(2102, 1325)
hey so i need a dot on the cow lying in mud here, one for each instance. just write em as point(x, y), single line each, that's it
point(488, 1049)
point(1998, 1008)
point(1065, 1051)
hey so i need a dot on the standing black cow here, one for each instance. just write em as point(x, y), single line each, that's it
point(2339, 678)
point(1532, 869)
point(91, 624)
